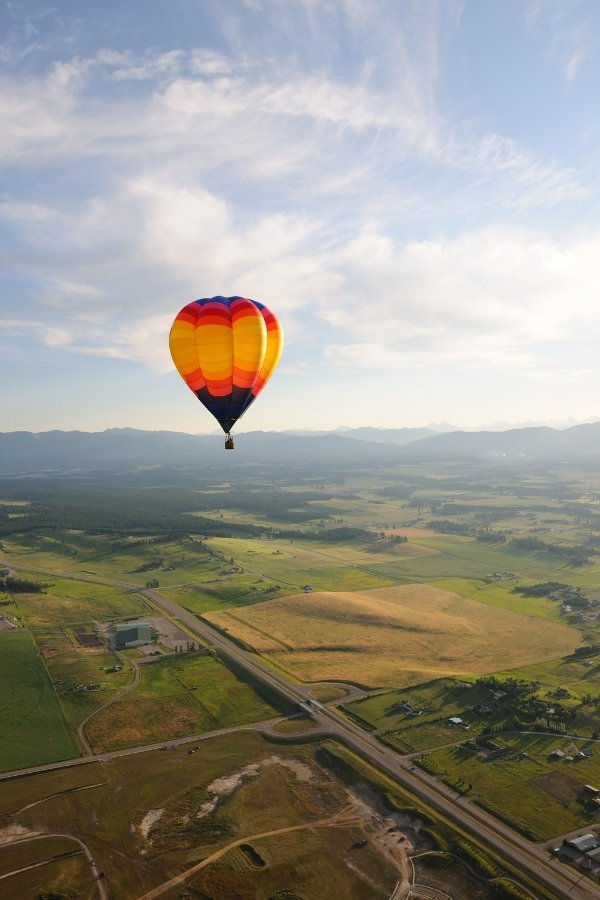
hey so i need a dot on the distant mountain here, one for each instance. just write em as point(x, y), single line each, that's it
point(23, 451)
point(399, 436)
point(580, 440)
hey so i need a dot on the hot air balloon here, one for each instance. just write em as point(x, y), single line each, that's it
point(226, 349)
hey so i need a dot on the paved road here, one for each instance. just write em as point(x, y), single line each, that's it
point(265, 726)
point(525, 856)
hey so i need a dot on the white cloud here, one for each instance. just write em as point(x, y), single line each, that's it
point(569, 32)
point(262, 124)
point(492, 297)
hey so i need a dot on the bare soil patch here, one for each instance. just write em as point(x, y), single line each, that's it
point(560, 786)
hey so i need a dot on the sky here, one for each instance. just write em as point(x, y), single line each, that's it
point(412, 186)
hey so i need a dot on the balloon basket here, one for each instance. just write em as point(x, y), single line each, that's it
point(229, 443)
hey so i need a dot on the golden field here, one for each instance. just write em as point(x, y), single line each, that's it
point(393, 636)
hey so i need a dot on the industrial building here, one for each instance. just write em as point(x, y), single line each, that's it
point(132, 634)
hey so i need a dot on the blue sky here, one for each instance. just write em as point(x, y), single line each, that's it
point(411, 185)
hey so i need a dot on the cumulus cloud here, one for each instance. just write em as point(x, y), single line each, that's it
point(491, 297)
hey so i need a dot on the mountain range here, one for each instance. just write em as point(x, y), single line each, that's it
point(22, 451)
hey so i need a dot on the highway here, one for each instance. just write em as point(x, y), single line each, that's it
point(526, 857)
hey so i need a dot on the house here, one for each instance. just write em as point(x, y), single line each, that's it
point(586, 753)
point(557, 754)
point(454, 720)
point(497, 695)
point(591, 789)
point(583, 843)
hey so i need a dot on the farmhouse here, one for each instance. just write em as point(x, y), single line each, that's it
point(133, 634)
point(454, 720)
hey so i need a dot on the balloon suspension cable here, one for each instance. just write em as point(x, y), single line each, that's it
point(229, 442)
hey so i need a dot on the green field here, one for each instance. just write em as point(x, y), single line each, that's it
point(542, 798)
point(33, 728)
point(436, 701)
point(65, 601)
point(175, 697)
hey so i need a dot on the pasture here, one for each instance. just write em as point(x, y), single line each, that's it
point(436, 702)
point(393, 636)
point(65, 602)
point(188, 694)
point(543, 798)
point(33, 729)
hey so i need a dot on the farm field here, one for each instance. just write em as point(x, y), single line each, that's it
point(415, 633)
point(541, 797)
point(175, 697)
point(33, 728)
point(502, 593)
point(66, 602)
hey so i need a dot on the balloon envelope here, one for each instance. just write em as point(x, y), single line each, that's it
point(226, 349)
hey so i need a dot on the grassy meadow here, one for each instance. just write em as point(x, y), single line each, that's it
point(543, 798)
point(65, 871)
point(384, 613)
point(175, 697)
point(34, 730)
point(393, 636)
point(66, 602)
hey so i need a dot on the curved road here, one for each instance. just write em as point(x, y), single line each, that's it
point(98, 878)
